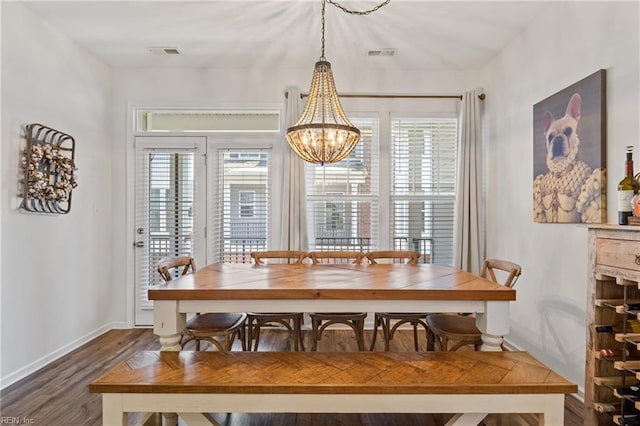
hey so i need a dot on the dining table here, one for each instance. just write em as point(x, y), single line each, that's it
point(231, 287)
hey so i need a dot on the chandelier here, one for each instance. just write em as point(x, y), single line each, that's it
point(323, 133)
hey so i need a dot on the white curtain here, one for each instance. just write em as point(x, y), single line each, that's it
point(294, 210)
point(469, 245)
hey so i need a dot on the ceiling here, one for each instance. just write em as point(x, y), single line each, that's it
point(457, 35)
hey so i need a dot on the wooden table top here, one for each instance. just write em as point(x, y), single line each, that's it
point(463, 372)
point(226, 281)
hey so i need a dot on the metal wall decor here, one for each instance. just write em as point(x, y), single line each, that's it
point(48, 170)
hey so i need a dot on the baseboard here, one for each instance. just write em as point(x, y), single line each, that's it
point(575, 402)
point(510, 346)
point(121, 325)
point(36, 365)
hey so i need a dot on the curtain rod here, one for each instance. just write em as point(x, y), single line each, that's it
point(481, 96)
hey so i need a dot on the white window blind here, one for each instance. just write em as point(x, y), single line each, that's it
point(423, 174)
point(165, 200)
point(241, 205)
point(342, 198)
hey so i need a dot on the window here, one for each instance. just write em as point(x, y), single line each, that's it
point(241, 207)
point(345, 200)
point(343, 197)
point(423, 174)
point(169, 204)
point(247, 204)
point(334, 215)
point(190, 120)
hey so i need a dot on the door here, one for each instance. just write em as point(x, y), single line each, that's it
point(170, 209)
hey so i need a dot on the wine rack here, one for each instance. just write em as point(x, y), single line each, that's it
point(613, 353)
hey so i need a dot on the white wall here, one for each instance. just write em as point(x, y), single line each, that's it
point(56, 283)
point(568, 42)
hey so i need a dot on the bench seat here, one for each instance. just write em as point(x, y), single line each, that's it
point(470, 383)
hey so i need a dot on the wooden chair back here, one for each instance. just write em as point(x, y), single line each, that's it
point(393, 256)
point(510, 272)
point(166, 266)
point(353, 257)
point(283, 256)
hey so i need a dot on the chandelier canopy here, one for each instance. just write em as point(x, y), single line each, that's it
point(323, 133)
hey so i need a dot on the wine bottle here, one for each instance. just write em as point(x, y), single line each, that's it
point(633, 326)
point(629, 420)
point(631, 392)
point(605, 329)
point(627, 189)
point(613, 353)
point(606, 408)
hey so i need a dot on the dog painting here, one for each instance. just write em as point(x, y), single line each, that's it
point(569, 183)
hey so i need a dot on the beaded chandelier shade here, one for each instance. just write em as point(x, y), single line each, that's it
point(323, 133)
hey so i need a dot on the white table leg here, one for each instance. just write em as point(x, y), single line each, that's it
point(491, 343)
point(493, 323)
point(170, 343)
point(168, 324)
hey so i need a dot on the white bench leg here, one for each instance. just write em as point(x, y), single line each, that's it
point(553, 411)
point(467, 419)
point(112, 412)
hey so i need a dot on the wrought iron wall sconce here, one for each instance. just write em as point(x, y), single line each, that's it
point(48, 170)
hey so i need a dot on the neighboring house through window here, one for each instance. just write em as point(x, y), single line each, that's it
point(247, 204)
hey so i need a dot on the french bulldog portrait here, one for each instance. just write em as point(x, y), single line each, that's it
point(570, 191)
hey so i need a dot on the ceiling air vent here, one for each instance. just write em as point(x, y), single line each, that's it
point(382, 52)
point(163, 50)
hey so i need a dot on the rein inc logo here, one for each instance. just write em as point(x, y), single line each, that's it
point(17, 421)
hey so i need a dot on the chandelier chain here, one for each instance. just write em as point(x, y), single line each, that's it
point(357, 12)
point(344, 9)
point(322, 58)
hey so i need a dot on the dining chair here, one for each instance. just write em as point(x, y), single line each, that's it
point(292, 321)
point(321, 320)
point(391, 321)
point(460, 328)
point(208, 327)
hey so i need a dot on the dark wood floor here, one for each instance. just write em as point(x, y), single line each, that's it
point(57, 395)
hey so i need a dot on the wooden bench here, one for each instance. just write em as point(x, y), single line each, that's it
point(472, 384)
